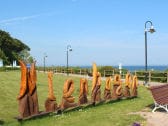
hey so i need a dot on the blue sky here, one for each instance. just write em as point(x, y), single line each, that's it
point(107, 32)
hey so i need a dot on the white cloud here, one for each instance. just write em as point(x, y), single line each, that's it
point(17, 19)
point(24, 18)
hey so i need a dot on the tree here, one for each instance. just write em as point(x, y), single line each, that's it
point(10, 48)
point(25, 55)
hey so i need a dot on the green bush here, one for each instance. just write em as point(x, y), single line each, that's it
point(9, 68)
point(156, 76)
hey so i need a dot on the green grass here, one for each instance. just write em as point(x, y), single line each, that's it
point(110, 114)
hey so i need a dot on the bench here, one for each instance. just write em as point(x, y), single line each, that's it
point(160, 96)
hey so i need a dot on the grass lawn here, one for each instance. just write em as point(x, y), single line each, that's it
point(110, 114)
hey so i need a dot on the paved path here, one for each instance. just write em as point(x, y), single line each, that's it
point(154, 119)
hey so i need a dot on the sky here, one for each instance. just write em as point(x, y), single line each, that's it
point(108, 32)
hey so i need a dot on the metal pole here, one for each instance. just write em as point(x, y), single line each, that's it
point(67, 62)
point(146, 62)
point(68, 49)
point(151, 30)
point(44, 63)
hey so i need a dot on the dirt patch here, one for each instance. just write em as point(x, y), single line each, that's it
point(158, 118)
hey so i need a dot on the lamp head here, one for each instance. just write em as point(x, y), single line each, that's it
point(151, 30)
point(69, 48)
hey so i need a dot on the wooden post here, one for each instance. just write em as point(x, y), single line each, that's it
point(71, 70)
point(149, 76)
point(80, 71)
point(85, 72)
point(113, 73)
point(104, 73)
point(167, 77)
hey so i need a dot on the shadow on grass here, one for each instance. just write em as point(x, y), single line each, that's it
point(152, 106)
point(34, 117)
point(73, 109)
point(1, 122)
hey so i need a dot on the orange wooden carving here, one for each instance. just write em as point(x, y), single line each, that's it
point(128, 80)
point(28, 101)
point(50, 85)
point(23, 83)
point(127, 85)
point(96, 84)
point(107, 90)
point(117, 87)
point(83, 91)
point(50, 103)
point(32, 79)
point(68, 100)
point(94, 75)
point(134, 86)
point(33, 99)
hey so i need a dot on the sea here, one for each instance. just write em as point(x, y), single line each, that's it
point(152, 68)
point(138, 67)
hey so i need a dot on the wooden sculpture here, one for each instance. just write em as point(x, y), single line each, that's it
point(127, 85)
point(96, 84)
point(107, 90)
point(134, 86)
point(117, 87)
point(67, 99)
point(83, 91)
point(50, 103)
point(28, 101)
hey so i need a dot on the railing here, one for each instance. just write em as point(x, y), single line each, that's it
point(72, 71)
point(152, 75)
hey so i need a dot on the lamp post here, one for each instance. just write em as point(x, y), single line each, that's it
point(44, 60)
point(151, 30)
point(68, 49)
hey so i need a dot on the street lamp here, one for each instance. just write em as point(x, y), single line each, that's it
point(68, 50)
point(151, 30)
point(44, 60)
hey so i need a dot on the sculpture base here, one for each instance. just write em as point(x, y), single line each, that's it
point(114, 95)
point(107, 94)
point(96, 94)
point(41, 114)
point(50, 105)
point(66, 104)
point(134, 92)
point(83, 99)
point(127, 92)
